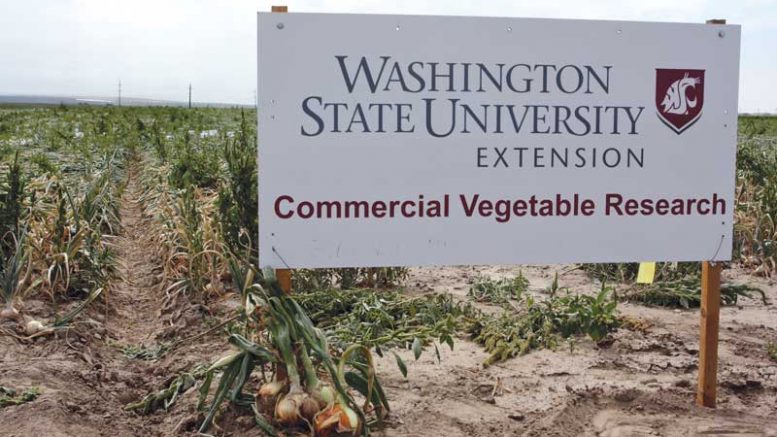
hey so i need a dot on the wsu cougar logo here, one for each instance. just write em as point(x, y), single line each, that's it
point(679, 97)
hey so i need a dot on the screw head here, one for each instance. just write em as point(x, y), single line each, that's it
point(279, 26)
point(722, 34)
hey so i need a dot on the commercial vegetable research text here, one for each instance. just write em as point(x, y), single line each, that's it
point(502, 210)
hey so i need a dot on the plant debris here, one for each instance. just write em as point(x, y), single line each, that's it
point(686, 293)
point(771, 350)
point(501, 291)
point(144, 352)
point(543, 324)
point(10, 397)
point(385, 319)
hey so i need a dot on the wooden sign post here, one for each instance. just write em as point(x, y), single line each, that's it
point(706, 393)
point(283, 275)
point(708, 341)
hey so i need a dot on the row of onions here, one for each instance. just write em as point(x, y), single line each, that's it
point(281, 367)
point(60, 190)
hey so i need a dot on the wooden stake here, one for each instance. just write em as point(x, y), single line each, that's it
point(284, 279)
point(283, 275)
point(707, 391)
point(708, 343)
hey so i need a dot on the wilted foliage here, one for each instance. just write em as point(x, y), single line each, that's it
point(686, 293)
point(485, 289)
point(544, 323)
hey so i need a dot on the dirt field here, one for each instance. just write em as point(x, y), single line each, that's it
point(642, 384)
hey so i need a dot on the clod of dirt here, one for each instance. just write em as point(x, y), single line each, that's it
point(489, 400)
point(606, 342)
point(187, 424)
point(627, 396)
point(682, 383)
point(742, 385)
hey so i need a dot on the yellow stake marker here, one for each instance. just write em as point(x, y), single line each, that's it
point(647, 272)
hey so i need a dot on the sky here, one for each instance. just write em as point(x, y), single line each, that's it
point(157, 47)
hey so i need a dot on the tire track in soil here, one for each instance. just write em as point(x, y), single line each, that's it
point(134, 296)
point(135, 300)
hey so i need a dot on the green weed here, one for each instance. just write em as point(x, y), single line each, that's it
point(771, 351)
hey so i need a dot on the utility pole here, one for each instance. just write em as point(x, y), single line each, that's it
point(190, 96)
point(119, 92)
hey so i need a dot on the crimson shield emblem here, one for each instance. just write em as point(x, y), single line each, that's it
point(679, 97)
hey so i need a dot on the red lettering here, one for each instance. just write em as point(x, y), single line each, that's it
point(631, 207)
point(379, 209)
point(408, 204)
point(716, 202)
point(519, 208)
point(662, 207)
point(305, 206)
point(469, 208)
point(703, 206)
point(485, 208)
point(278, 211)
point(613, 201)
point(647, 207)
point(588, 207)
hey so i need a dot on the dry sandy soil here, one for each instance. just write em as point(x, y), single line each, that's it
point(642, 384)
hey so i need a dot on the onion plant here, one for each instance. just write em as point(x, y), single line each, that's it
point(68, 211)
point(11, 279)
point(296, 396)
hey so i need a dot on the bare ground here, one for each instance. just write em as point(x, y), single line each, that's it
point(643, 384)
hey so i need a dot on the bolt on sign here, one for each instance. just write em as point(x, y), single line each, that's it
point(417, 140)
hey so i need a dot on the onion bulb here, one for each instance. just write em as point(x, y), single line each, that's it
point(321, 393)
point(33, 326)
point(336, 419)
point(309, 408)
point(324, 394)
point(267, 396)
point(271, 388)
point(288, 410)
point(9, 313)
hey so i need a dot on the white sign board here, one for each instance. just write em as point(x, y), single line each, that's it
point(412, 140)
